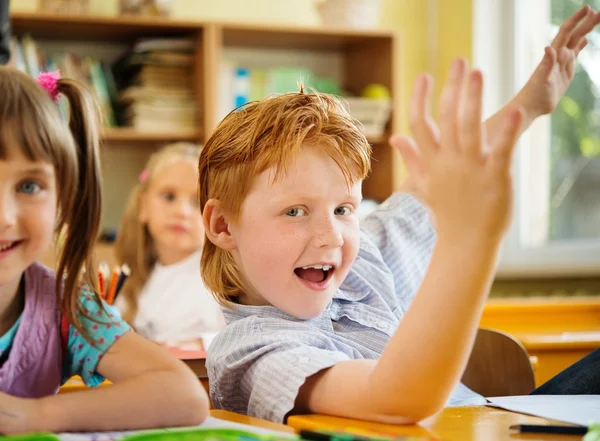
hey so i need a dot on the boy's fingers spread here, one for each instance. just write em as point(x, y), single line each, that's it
point(549, 60)
point(591, 20)
point(418, 116)
point(549, 55)
point(470, 121)
point(547, 64)
point(570, 64)
point(564, 33)
point(562, 55)
point(396, 139)
point(450, 102)
point(582, 44)
point(409, 151)
point(503, 146)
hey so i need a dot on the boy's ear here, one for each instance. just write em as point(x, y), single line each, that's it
point(216, 225)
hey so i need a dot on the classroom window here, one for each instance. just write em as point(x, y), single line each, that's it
point(556, 228)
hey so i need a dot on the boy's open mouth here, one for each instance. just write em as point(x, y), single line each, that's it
point(315, 273)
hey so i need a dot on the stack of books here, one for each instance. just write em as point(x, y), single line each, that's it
point(155, 81)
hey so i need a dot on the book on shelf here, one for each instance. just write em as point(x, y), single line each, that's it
point(31, 59)
point(241, 84)
point(137, 93)
point(155, 84)
point(163, 112)
point(156, 125)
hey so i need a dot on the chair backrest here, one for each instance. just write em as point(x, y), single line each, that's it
point(499, 366)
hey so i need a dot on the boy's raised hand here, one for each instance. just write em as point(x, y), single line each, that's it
point(465, 182)
point(554, 74)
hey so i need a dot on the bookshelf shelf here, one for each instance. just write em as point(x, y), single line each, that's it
point(97, 28)
point(126, 134)
point(280, 37)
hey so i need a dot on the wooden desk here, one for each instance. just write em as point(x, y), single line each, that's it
point(478, 423)
point(256, 422)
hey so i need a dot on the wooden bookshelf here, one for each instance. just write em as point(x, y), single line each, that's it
point(367, 57)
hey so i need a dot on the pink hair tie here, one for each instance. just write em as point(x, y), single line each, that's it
point(143, 176)
point(49, 81)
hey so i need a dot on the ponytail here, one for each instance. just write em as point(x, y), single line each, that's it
point(81, 216)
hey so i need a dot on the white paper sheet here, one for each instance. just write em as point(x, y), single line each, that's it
point(209, 423)
point(574, 409)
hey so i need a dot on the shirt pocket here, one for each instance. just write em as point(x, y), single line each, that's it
point(367, 316)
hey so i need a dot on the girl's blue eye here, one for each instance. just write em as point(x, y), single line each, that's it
point(29, 187)
point(343, 211)
point(295, 212)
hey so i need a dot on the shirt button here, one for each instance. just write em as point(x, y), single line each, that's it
point(303, 360)
point(382, 324)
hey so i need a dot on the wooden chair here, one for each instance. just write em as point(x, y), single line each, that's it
point(499, 365)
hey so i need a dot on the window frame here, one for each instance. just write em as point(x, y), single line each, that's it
point(498, 45)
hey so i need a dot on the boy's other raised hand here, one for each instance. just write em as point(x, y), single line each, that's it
point(464, 180)
point(554, 74)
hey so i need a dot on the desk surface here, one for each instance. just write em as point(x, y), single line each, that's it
point(452, 424)
point(256, 422)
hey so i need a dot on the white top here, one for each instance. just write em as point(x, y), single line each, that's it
point(175, 305)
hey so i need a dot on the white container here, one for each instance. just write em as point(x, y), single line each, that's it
point(359, 14)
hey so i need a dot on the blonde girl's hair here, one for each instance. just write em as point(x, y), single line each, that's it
point(134, 244)
point(31, 120)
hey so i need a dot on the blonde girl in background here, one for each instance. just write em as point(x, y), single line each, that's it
point(160, 238)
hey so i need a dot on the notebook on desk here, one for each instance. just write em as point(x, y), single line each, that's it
point(211, 429)
point(574, 409)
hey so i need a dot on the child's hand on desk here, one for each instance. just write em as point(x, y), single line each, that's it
point(554, 74)
point(19, 415)
point(463, 179)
